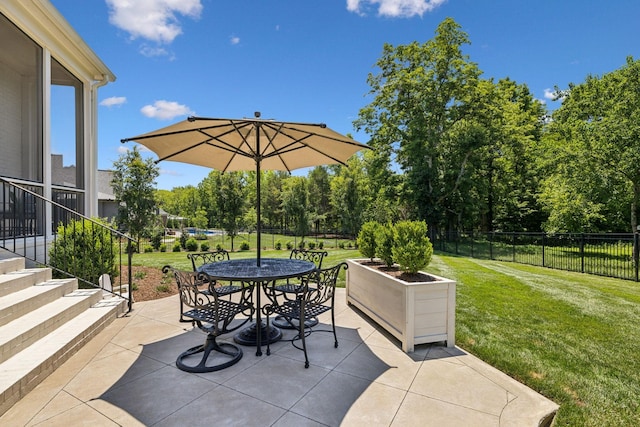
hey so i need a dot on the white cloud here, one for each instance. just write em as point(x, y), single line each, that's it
point(150, 51)
point(234, 39)
point(394, 8)
point(114, 100)
point(122, 149)
point(153, 20)
point(549, 94)
point(165, 110)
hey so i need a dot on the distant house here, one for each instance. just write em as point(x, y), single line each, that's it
point(46, 70)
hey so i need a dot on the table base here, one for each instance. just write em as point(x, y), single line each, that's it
point(249, 335)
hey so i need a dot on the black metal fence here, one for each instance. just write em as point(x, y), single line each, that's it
point(610, 254)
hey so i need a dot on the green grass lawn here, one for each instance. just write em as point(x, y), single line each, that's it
point(573, 337)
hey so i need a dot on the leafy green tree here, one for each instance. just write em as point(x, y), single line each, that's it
point(319, 184)
point(595, 141)
point(231, 202)
point(295, 202)
point(133, 186)
point(420, 94)
point(349, 195)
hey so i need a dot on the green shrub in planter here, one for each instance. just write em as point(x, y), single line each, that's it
point(312, 245)
point(204, 246)
point(321, 245)
point(367, 239)
point(384, 241)
point(289, 245)
point(278, 245)
point(412, 248)
point(163, 248)
point(177, 247)
point(244, 246)
point(148, 249)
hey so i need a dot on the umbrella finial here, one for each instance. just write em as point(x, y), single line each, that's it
point(257, 114)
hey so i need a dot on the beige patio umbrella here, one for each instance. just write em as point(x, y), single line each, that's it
point(249, 144)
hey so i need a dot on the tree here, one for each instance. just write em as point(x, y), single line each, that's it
point(595, 141)
point(231, 202)
point(420, 94)
point(349, 195)
point(319, 195)
point(295, 203)
point(133, 186)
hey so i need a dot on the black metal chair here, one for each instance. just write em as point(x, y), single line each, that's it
point(198, 259)
point(213, 315)
point(292, 288)
point(309, 302)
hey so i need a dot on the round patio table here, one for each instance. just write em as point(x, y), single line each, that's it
point(247, 270)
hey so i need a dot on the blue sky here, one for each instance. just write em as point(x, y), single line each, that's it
point(307, 61)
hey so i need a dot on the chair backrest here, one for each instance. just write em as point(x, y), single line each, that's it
point(189, 285)
point(200, 258)
point(320, 285)
point(315, 257)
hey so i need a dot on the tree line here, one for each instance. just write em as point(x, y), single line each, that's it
point(459, 151)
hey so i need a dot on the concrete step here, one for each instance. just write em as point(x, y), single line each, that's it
point(17, 304)
point(22, 372)
point(12, 281)
point(22, 332)
point(43, 322)
point(11, 264)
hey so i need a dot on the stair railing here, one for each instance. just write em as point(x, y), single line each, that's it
point(30, 225)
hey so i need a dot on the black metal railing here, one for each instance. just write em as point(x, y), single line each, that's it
point(24, 216)
point(604, 254)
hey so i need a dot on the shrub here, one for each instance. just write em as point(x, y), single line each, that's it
point(148, 249)
point(289, 245)
point(85, 249)
point(278, 245)
point(156, 241)
point(184, 236)
point(341, 245)
point(301, 244)
point(219, 247)
point(367, 239)
point(384, 243)
point(412, 248)
point(163, 248)
point(312, 245)
point(204, 246)
point(177, 247)
point(244, 246)
point(321, 245)
point(191, 245)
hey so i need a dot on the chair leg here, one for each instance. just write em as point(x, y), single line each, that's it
point(333, 325)
point(304, 342)
point(210, 345)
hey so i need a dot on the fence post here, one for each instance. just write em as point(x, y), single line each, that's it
point(582, 252)
point(544, 235)
point(491, 245)
point(513, 245)
point(636, 249)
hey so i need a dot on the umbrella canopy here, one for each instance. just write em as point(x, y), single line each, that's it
point(249, 144)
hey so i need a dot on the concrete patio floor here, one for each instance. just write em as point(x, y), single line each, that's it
point(126, 376)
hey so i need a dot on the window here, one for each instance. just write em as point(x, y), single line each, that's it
point(67, 148)
point(21, 106)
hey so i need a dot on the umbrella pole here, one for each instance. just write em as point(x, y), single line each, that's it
point(258, 210)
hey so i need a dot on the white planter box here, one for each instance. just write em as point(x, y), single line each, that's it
point(413, 312)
